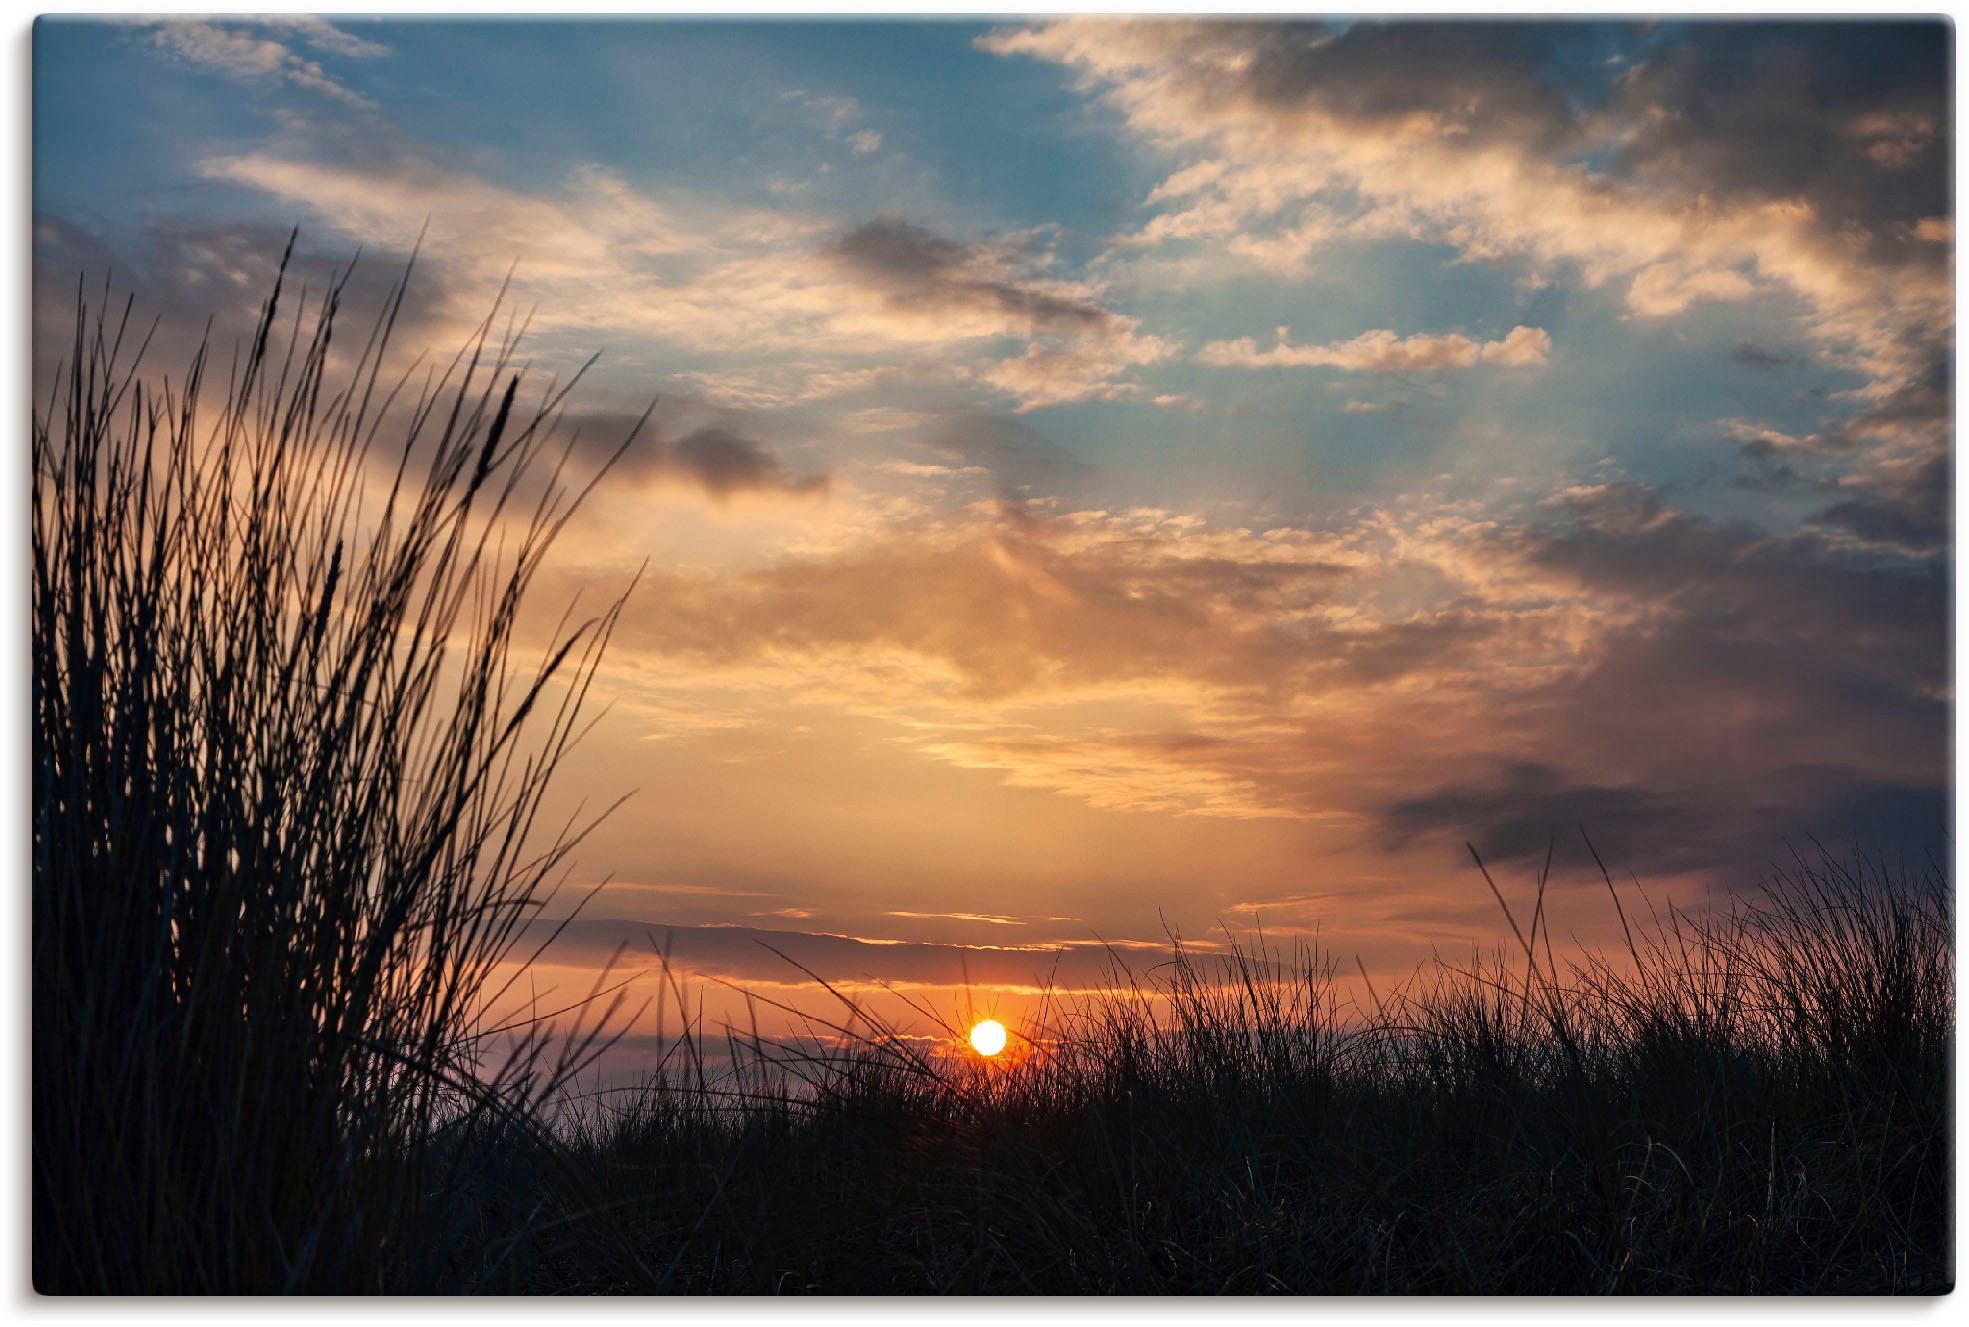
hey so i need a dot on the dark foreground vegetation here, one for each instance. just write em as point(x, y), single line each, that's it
point(285, 785)
point(286, 774)
point(1757, 1102)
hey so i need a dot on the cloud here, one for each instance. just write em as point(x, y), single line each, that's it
point(241, 51)
point(1382, 351)
point(208, 283)
point(1828, 641)
point(1360, 678)
point(716, 458)
point(1012, 602)
point(725, 463)
point(1697, 689)
point(1522, 347)
point(1020, 460)
point(1849, 119)
point(1759, 688)
point(1091, 369)
point(1416, 672)
point(1908, 509)
point(1750, 356)
point(988, 918)
point(918, 272)
point(205, 280)
point(751, 955)
point(1523, 810)
point(1678, 165)
point(1672, 285)
point(1239, 661)
point(1524, 806)
point(810, 309)
point(1076, 349)
point(580, 261)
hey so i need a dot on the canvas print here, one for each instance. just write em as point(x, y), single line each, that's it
point(1055, 656)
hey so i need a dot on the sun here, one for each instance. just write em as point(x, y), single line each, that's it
point(988, 1037)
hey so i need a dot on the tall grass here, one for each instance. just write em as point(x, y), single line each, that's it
point(286, 774)
point(1750, 1100)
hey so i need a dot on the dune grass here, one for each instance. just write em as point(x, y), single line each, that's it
point(1751, 1101)
point(286, 772)
point(286, 778)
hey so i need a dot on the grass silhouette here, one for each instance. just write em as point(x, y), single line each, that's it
point(285, 775)
point(286, 781)
point(1756, 1101)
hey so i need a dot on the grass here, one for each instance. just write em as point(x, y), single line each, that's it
point(1755, 1102)
point(286, 773)
point(286, 782)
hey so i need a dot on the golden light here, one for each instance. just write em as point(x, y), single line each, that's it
point(988, 1037)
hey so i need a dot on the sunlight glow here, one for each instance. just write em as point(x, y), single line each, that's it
point(988, 1037)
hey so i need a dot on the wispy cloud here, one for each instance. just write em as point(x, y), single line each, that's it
point(756, 956)
point(834, 308)
point(987, 918)
point(261, 52)
point(1382, 351)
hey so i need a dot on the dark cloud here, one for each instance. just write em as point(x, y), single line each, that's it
point(206, 282)
point(1018, 457)
point(901, 252)
point(1625, 537)
point(1904, 498)
point(1770, 687)
point(1750, 356)
point(744, 954)
point(921, 271)
point(1921, 407)
point(1835, 613)
point(1741, 828)
point(1525, 807)
point(1912, 417)
point(1490, 80)
point(725, 463)
point(715, 457)
point(1913, 512)
point(1763, 468)
point(1852, 118)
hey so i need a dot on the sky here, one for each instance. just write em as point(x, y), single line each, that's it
point(1114, 479)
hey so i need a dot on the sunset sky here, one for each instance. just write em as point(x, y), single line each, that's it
point(1116, 476)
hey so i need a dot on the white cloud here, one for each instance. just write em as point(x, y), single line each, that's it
point(1268, 175)
point(1522, 347)
point(811, 311)
point(237, 51)
point(1382, 351)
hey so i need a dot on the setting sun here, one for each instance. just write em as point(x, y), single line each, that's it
point(988, 1037)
